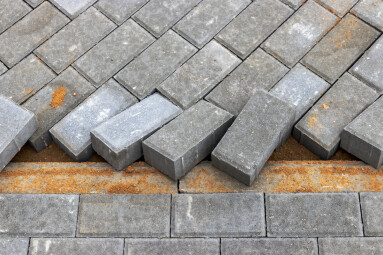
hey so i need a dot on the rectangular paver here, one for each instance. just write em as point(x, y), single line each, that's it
point(124, 216)
point(72, 133)
point(371, 12)
point(11, 12)
point(180, 145)
point(14, 246)
point(295, 4)
point(55, 101)
point(372, 211)
point(34, 3)
point(352, 245)
point(3, 68)
point(339, 7)
point(254, 135)
point(119, 140)
point(119, 10)
point(72, 8)
point(320, 129)
point(313, 215)
point(75, 39)
point(194, 79)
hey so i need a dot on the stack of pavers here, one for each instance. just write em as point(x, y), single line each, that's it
point(177, 81)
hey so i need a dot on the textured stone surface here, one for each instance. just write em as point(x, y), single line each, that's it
point(340, 7)
point(199, 75)
point(34, 3)
point(293, 3)
point(72, 8)
point(218, 215)
point(371, 12)
point(11, 12)
point(372, 211)
point(352, 246)
point(119, 10)
point(14, 246)
point(3, 68)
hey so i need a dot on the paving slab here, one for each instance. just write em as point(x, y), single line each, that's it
point(299, 33)
point(250, 28)
point(105, 59)
point(180, 145)
point(339, 7)
point(371, 12)
point(72, 8)
point(34, 3)
point(3, 68)
point(340, 48)
point(218, 215)
point(124, 216)
point(27, 34)
point(194, 79)
point(295, 4)
point(119, 10)
point(119, 140)
point(14, 246)
point(145, 73)
point(201, 24)
point(313, 215)
point(320, 129)
point(75, 39)
point(353, 245)
point(254, 135)
point(11, 12)
point(55, 101)
point(372, 211)
point(72, 133)
point(158, 16)
point(25, 215)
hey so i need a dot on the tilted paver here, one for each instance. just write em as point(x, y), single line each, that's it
point(111, 54)
point(218, 215)
point(14, 246)
point(180, 145)
point(352, 246)
point(75, 39)
point(320, 129)
point(372, 211)
point(340, 7)
point(338, 50)
point(11, 12)
point(295, 4)
point(72, 8)
point(313, 215)
point(34, 3)
point(371, 12)
point(119, 10)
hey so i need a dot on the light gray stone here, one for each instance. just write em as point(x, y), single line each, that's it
point(295, 4)
point(340, 7)
point(14, 246)
point(72, 8)
point(371, 12)
point(11, 12)
point(119, 140)
point(372, 211)
point(34, 3)
point(3, 68)
point(351, 246)
point(194, 79)
point(119, 10)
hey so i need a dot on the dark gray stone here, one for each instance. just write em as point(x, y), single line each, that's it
point(119, 10)
point(372, 211)
point(72, 8)
point(295, 4)
point(371, 12)
point(14, 246)
point(34, 3)
point(351, 246)
point(11, 12)
point(340, 7)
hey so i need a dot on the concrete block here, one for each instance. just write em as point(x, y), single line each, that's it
point(119, 10)
point(124, 216)
point(320, 129)
point(353, 245)
point(370, 11)
point(54, 101)
point(218, 215)
point(119, 140)
point(254, 135)
point(34, 3)
point(313, 215)
point(72, 8)
point(180, 145)
point(201, 24)
point(339, 49)
point(75, 39)
point(194, 79)
point(72, 133)
point(11, 12)
point(145, 73)
point(339, 7)
point(295, 4)
point(105, 59)
point(372, 211)
point(14, 246)
point(27, 34)
point(3, 68)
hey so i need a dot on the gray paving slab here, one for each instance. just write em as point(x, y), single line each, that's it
point(372, 212)
point(339, 49)
point(295, 4)
point(3, 68)
point(145, 73)
point(254, 135)
point(339, 7)
point(119, 10)
point(313, 215)
point(124, 216)
point(34, 3)
point(115, 51)
point(119, 140)
point(185, 141)
point(299, 33)
point(55, 101)
point(158, 16)
point(17, 125)
point(27, 34)
point(11, 12)
point(371, 12)
point(320, 129)
point(250, 28)
point(14, 246)
point(194, 79)
point(72, 133)
point(72, 8)
point(25, 79)
point(258, 71)
point(351, 246)
point(75, 39)
point(202, 23)
point(38, 215)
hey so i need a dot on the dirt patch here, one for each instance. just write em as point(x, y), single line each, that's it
point(58, 97)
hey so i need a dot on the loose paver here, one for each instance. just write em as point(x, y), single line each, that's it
point(180, 145)
point(105, 59)
point(14, 246)
point(34, 3)
point(11, 12)
point(371, 12)
point(119, 140)
point(293, 3)
point(218, 215)
point(124, 216)
point(27, 34)
point(320, 129)
point(194, 79)
point(75, 39)
point(338, 50)
point(352, 245)
point(158, 16)
point(247, 31)
point(72, 8)
point(313, 215)
point(299, 33)
point(255, 134)
point(145, 73)
point(119, 10)
point(72, 133)
point(38, 215)
point(201, 24)
point(372, 212)
point(55, 101)
point(339, 7)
